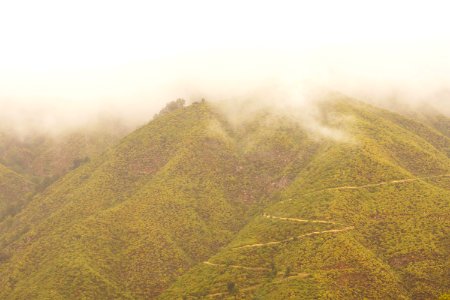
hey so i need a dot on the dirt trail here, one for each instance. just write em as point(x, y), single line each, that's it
point(372, 184)
point(298, 220)
point(255, 286)
point(236, 266)
point(381, 183)
point(349, 187)
point(304, 275)
point(265, 215)
point(293, 238)
point(296, 276)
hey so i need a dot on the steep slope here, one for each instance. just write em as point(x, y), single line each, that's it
point(367, 219)
point(14, 191)
point(127, 224)
point(439, 122)
point(43, 158)
point(46, 156)
point(192, 206)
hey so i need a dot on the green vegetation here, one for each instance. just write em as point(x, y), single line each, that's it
point(39, 155)
point(36, 161)
point(396, 245)
point(189, 206)
point(15, 190)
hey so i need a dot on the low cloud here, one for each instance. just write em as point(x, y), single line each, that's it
point(277, 80)
point(57, 72)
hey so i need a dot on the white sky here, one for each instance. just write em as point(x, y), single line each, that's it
point(64, 55)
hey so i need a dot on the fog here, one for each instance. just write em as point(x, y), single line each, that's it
point(67, 65)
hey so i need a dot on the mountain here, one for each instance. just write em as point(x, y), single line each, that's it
point(363, 220)
point(36, 160)
point(191, 206)
point(47, 156)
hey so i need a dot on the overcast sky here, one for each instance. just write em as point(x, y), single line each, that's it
point(69, 60)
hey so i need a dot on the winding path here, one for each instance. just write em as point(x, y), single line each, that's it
point(268, 216)
point(294, 238)
point(298, 275)
point(349, 187)
point(298, 220)
point(255, 286)
point(236, 266)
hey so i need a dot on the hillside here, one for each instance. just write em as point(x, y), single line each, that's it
point(439, 122)
point(179, 189)
point(191, 206)
point(39, 159)
point(47, 156)
point(15, 190)
point(362, 220)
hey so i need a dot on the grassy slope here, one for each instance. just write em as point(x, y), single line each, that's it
point(14, 191)
point(181, 188)
point(38, 160)
point(397, 246)
point(188, 187)
point(440, 122)
point(41, 156)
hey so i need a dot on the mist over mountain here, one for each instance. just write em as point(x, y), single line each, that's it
point(259, 208)
point(224, 150)
point(386, 54)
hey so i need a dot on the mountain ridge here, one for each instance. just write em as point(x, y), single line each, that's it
point(188, 185)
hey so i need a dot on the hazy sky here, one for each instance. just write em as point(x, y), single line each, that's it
point(68, 60)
